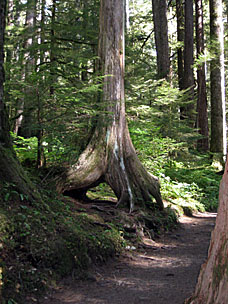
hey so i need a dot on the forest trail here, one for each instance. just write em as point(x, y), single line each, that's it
point(161, 272)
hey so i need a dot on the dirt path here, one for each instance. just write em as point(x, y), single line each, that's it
point(164, 272)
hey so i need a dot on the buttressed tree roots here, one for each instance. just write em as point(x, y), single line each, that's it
point(110, 156)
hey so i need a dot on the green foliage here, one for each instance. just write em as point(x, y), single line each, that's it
point(56, 148)
point(26, 148)
point(163, 142)
point(205, 180)
point(187, 178)
point(183, 197)
point(157, 103)
point(52, 81)
point(9, 192)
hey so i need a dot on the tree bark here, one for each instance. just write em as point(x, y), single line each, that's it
point(161, 37)
point(26, 108)
point(110, 155)
point(212, 283)
point(127, 14)
point(4, 134)
point(218, 116)
point(52, 49)
point(180, 40)
point(17, 53)
point(202, 116)
point(187, 112)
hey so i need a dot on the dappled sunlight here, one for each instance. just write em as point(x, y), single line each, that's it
point(164, 262)
point(161, 271)
point(197, 217)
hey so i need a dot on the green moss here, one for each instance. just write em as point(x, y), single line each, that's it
point(14, 176)
point(42, 243)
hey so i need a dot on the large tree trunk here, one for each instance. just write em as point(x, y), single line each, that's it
point(110, 155)
point(187, 112)
point(218, 119)
point(4, 135)
point(26, 108)
point(180, 40)
point(52, 50)
point(10, 169)
point(2, 108)
point(212, 283)
point(127, 14)
point(202, 117)
point(40, 150)
point(161, 37)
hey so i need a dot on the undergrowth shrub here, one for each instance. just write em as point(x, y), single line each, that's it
point(186, 177)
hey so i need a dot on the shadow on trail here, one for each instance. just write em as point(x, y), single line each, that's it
point(165, 274)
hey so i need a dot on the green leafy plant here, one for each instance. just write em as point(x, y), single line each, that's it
point(26, 148)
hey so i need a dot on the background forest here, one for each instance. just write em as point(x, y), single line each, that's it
point(175, 72)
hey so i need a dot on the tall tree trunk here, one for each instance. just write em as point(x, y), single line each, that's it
point(84, 67)
point(10, 169)
point(52, 49)
point(27, 106)
point(161, 37)
point(212, 283)
point(40, 151)
point(202, 116)
point(10, 21)
point(218, 117)
point(127, 14)
point(110, 155)
point(188, 111)
point(4, 135)
point(13, 21)
point(180, 40)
